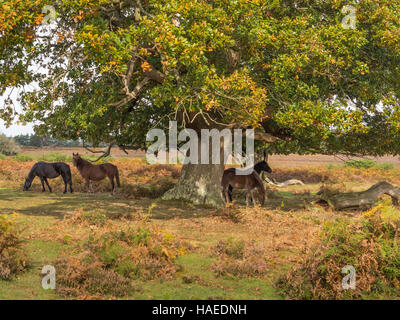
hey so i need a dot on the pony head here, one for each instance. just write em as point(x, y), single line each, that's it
point(263, 165)
point(27, 184)
point(75, 158)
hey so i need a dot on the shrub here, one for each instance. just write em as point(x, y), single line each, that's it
point(13, 258)
point(8, 146)
point(360, 164)
point(371, 245)
point(239, 258)
point(89, 280)
point(2, 156)
point(111, 260)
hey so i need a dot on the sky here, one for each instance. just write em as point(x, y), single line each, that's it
point(15, 129)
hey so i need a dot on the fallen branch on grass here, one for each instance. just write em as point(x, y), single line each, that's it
point(283, 184)
point(363, 200)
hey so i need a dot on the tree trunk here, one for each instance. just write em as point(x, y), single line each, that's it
point(199, 184)
point(364, 199)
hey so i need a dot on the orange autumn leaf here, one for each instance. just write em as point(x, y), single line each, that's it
point(146, 66)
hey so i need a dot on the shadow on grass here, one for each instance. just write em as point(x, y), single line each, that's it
point(58, 205)
point(282, 200)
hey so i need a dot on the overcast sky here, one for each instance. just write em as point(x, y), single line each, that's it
point(15, 130)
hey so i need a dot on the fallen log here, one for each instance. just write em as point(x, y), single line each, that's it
point(364, 199)
point(289, 182)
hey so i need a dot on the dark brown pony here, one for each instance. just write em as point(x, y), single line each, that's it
point(259, 167)
point(96, 172)
point(248, 182)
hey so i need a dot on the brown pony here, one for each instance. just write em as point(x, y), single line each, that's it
point(249, 182)
point(96, 172)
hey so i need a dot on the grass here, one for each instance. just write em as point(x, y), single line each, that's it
point(285, 228)
point(53, 157)
point(41, 212)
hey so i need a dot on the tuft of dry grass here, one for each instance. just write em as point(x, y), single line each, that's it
point(237, 258)
point(371, 244)
point(109, 260)
point(13, 257)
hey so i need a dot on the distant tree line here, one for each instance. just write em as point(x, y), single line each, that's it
point(34, 140)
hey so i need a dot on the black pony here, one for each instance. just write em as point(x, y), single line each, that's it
point(45, 170)
point(258, 167)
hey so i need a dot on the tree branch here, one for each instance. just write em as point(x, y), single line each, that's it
point(131, 95)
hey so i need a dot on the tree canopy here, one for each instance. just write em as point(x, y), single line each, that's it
point(109, 70)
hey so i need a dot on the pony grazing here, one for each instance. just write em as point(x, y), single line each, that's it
point(259, 167)
point(45, 170)
point(96, 172)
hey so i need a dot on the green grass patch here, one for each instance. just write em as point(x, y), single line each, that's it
point(23, 157)
point(55, 157)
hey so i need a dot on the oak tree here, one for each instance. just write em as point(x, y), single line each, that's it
point(110, 70)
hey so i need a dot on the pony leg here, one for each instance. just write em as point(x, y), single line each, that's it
point(45, 180)
point(65, 182)
point(224, 194)
point(230, 188)
point(226, 197)
point(91, 187)
point(42, 180)
point(88, 186)
point(252, 197)
point(68, 180)
point(111, 178)
point(247, 197)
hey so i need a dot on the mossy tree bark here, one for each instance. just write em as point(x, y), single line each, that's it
point(199, 184)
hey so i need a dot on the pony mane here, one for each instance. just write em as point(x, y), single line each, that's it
point(31, 173)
